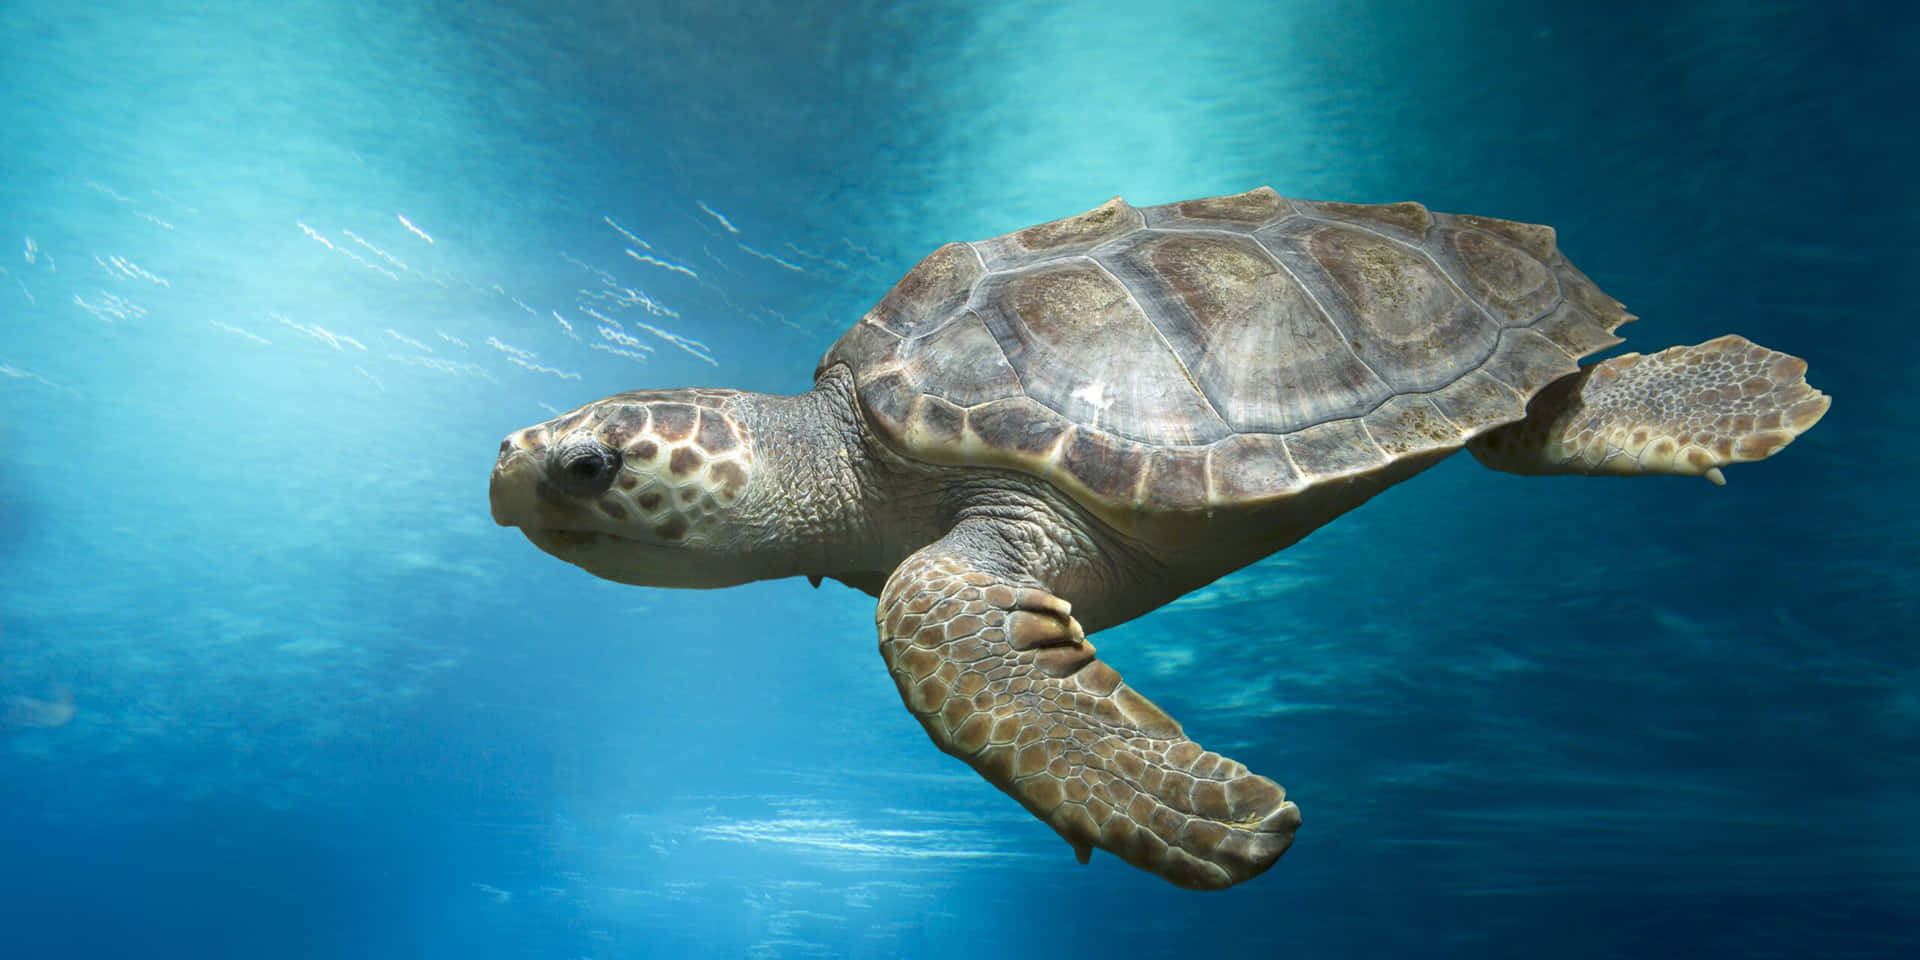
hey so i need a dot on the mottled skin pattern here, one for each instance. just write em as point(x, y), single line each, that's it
point(1002, 677)
point(691, 458)
point(1684, 410)
point(1035, 437)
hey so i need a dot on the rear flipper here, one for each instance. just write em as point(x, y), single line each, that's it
point(1685, 410)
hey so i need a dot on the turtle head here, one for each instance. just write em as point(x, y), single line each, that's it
point(642, 488)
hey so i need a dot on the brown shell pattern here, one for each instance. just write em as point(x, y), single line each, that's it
point(1221, 352)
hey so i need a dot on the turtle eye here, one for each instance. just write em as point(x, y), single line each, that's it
point(584, 467)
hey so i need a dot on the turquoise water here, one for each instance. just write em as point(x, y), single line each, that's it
point(276, 278)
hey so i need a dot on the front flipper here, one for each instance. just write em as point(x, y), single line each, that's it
point(1684, 410)
point(1001, 676)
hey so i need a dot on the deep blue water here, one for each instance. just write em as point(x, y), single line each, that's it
point(323, 707)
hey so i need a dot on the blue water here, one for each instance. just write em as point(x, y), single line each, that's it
point(276, 278)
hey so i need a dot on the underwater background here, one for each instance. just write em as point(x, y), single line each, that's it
point(275, 279)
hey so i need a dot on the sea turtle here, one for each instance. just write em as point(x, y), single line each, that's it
point(1037, 436)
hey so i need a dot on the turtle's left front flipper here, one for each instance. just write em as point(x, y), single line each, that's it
point(1000, 675)
point(1684, 410)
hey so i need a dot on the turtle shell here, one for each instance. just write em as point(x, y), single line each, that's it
point(1223, 352)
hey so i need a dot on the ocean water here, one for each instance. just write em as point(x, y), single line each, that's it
point(275, 278)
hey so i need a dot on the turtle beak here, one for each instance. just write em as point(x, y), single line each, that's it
point(514, 486)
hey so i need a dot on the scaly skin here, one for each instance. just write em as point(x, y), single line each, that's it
point(1684, 410)
point(1000, 675)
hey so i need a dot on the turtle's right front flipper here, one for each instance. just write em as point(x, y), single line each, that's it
point(1000, 675)
point(1684, 410)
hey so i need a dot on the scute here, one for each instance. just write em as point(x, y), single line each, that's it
point(1405, 220)
point(1107, 465)
point(1082, 346)
point(1266, 356)
point(930, 293)
point(1020, 430)
point(1407, 425)
point(1221, 352)
point(1250, 209)
point(1402, 317)
point(1249, 466)
point(1073, 235)
point(1517, 286)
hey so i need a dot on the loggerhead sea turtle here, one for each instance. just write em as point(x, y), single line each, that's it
point(1038, 436)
